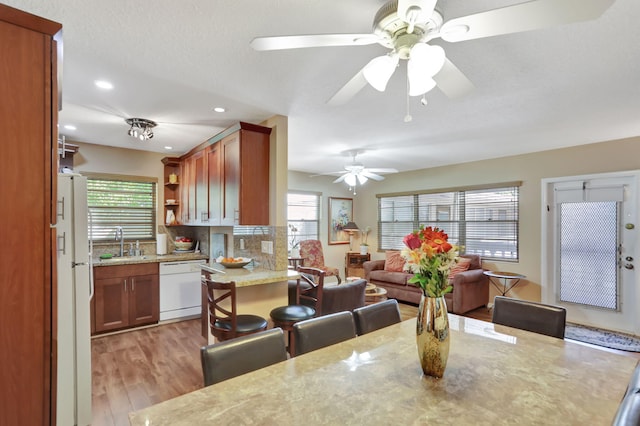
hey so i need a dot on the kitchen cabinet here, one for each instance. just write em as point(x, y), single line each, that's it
point(125, 296)
point(28, 284)
point(225, 181)
point(245, 176)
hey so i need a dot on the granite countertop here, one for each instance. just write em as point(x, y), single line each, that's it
point(495, 375)
point(248, 276)
point(131, 260)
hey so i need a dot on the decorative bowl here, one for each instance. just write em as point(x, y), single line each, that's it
point(183, 245)
point(237, 262)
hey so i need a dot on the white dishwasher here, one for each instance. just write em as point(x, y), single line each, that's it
point(180, 289)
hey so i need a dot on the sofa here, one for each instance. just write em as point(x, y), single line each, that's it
point(470, 287)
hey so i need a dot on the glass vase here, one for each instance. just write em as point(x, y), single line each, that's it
point(432, 335)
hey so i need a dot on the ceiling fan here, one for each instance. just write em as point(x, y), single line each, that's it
point(408, 26)
point(356, 173)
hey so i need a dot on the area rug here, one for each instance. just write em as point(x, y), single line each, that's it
point(606, 338)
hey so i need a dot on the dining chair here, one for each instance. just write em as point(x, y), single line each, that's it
point(316, 333)
point(224, 360)
point(376, 316)
point(308, 303)
point(531, 316)
point(311, 252)
point(224, 320)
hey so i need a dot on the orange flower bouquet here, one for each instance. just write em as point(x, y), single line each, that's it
point(430, 257)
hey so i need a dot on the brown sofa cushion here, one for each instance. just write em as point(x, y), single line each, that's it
point(462, 265)
point(399, 278)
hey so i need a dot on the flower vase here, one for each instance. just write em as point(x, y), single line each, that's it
point(364, 249)
point(432, 335)
point(295, 252)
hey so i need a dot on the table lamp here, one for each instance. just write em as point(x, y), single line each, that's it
point(350, 227)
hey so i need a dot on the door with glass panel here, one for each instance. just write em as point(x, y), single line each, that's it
point(591, 251)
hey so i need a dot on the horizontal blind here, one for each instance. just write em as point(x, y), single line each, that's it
point(303, 217)
point(482, 221)
point(113, 203)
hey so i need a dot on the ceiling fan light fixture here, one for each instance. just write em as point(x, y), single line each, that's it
point(362, 179)
point(429, 58)
point(350, 179)
point(380, 69)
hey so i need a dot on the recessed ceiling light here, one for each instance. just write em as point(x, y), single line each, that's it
point(70, 127)
point(168, 147)
point(219, 109)
point(104, 84)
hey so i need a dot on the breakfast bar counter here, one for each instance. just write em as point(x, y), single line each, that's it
point(258, 290)
point(496, 375)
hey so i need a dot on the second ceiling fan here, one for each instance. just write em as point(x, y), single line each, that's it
point(408, 26)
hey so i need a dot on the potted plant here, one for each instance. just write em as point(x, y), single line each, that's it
point(294, 244)
point(364, 247)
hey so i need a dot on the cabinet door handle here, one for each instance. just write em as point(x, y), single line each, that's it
point(125, 285)
point(62, 243)
point(61, 208)
point(133, 284)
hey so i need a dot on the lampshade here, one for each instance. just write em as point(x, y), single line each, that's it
point(362, 179)
point(350, 227)
point(425, 61)
point(379, 70)
point(350, 179)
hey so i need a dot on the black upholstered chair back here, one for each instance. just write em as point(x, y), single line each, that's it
point(531, 316)
point(376, 316)
point(222, 361)
point(326, 330)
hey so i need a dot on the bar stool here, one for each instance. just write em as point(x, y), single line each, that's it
point(285, 316)
point(224, 320)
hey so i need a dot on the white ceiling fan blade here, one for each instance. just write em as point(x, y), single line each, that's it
point(349, 90)
point(372, 175)
point(319, 40)
point(452, 82)
point(527, 16)
point(341, 178)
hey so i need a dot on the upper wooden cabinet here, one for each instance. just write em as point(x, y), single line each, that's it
point(225, 181)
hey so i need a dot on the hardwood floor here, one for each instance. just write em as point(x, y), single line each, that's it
point(136, 369)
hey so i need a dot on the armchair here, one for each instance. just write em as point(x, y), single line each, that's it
point(311, 252)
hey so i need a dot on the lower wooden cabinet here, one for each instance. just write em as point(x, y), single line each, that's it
point(125, 296)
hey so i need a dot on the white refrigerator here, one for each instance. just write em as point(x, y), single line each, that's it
point(75, 289)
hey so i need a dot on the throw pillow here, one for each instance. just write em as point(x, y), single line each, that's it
point(462, 265)
point(393, 261)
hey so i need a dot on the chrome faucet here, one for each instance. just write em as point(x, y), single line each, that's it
point(120, 237)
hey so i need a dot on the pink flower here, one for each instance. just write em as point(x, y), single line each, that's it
point(412, 241)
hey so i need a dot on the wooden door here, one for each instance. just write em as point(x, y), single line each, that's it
point(144, 300)
point(201, 188)
point(214, 184)
point(253, 172)
point(230, 179)
point(111, 304)
point(28, 112)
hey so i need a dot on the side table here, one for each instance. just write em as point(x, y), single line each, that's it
point(509, 280)
point(353, 264)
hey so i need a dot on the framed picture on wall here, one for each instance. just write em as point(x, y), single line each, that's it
point(340, 213)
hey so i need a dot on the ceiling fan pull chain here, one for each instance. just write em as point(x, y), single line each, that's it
point(408, 118)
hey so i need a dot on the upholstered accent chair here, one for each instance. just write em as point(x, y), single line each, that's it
point(311, 252)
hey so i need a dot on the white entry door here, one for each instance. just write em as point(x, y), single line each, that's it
point(589, 253)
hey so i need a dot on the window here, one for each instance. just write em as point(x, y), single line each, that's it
point(129, 204)
point(303, 214)
point(482, 221)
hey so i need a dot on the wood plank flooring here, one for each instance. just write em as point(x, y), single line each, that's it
point(136, 369)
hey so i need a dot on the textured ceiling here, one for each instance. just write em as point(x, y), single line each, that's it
point(172, 61)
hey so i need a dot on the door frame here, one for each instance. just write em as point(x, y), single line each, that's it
point(548, 231)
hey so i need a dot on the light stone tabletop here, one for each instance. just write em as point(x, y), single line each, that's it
point(496, 375)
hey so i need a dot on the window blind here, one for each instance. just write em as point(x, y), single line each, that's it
point(303, 214)
point(112, 203)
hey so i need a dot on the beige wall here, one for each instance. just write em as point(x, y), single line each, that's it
point(611, 156)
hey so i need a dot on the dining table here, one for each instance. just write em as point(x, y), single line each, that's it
point(495, 375)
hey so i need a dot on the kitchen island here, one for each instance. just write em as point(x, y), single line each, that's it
point(258, 290)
